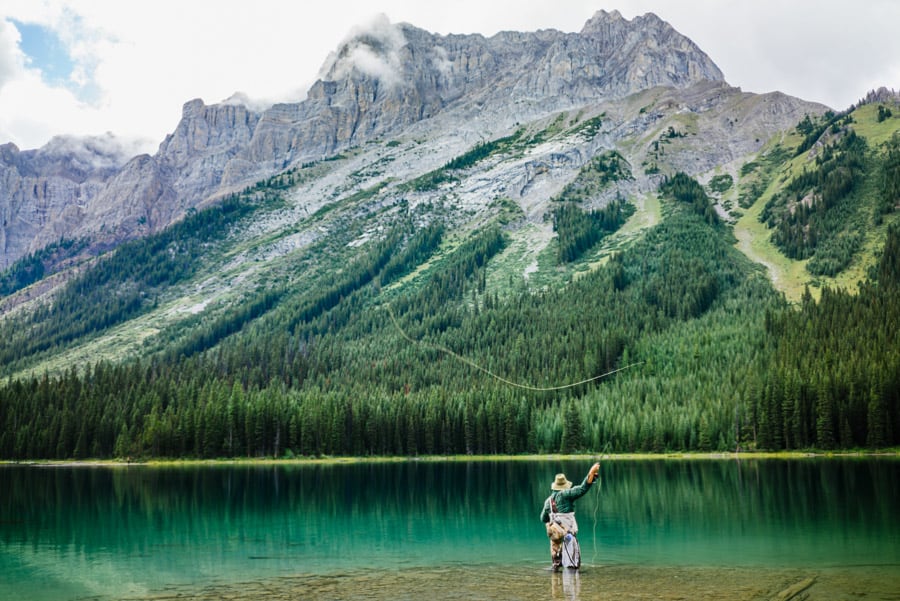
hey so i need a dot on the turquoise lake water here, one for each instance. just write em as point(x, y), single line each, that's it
point(421, 529)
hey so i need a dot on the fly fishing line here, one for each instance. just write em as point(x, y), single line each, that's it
point(472, 364)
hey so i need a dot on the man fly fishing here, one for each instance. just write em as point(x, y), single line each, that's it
point(559, 516)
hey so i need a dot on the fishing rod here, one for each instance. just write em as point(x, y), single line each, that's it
point(474, 365)
point(603, 451)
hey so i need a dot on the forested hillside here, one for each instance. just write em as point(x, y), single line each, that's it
point(404, 334)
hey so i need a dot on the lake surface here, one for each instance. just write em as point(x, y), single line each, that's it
point(728, 529)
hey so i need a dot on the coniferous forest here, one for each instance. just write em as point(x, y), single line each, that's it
point(406, 349)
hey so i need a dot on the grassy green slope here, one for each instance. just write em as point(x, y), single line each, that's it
point(300, 354)
point(776, 166)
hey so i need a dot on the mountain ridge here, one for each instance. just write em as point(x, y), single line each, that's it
point(216, 149)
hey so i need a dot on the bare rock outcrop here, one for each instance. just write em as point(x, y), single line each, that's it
point(379, 82)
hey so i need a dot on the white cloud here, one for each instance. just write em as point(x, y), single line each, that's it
point(372, 48)
point(25, 103)
point(441, 60)
point(10, 57)
point(144, 61)
point(92, 152)
point(32, 112)
point(241, 99)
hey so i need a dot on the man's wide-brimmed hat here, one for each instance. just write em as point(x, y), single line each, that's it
point(561, 483)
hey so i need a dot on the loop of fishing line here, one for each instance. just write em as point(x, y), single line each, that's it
point(474, 365)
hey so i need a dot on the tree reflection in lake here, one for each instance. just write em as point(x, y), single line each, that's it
point(388, 530)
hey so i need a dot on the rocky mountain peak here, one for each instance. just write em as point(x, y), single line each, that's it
point(660, 51)
point(203, 128)
point(381, 80)
point(8, 151)
point(601, 20)
point(372, 51)
point(613, 25)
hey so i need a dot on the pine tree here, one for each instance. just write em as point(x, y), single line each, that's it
point(824, 419)
point(573, 430)
point(876, 419)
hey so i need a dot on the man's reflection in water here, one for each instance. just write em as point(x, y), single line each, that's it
point(565, 584)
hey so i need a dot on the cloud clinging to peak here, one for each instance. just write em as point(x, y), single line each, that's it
point(372, 48)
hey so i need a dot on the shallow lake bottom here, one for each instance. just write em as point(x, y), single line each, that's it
point(539, 583)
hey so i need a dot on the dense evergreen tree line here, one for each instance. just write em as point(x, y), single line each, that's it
point(123, 284)
point(322, 369)
point(683, 188)
point(813, 128)
point(32, 268)
point(889, 180)
point(22, 273)
point(344, 380)
point(834, 378)
point(578, 230)
point(815, 210)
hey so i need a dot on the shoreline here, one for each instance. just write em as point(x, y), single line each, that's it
point(593, 582)
point(266, 461)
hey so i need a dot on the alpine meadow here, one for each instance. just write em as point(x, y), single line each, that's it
point(530, 243)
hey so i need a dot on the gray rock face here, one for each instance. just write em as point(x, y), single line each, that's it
point(382, 81)
point(376, 84)
point(42, 192)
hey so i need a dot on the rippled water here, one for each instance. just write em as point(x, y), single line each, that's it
point(662, 529)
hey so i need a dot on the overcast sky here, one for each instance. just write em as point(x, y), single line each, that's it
point(87, 67)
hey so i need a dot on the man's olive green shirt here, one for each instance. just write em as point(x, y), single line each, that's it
point(565, 499)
